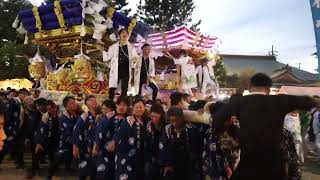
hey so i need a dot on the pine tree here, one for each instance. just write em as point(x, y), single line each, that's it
point(164, 15)
point(119, 5)
point(8, 13)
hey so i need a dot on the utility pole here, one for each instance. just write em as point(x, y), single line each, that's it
point(299, 65)
point(273, 52)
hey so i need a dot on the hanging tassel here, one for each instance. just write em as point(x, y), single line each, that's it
point(21, 29)
point(99, 75)
point(113, 37)
point(83, 30)
point(16, 22)
point(26, 39)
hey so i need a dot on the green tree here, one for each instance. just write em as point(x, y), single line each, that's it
point(13, 62)
point(8, 13)
point(232, 81)
point(220, 72)
point(165, 15)
point(119, 5)
point(240, 81)
point(11, 42)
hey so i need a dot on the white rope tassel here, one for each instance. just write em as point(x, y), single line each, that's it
point(83, 29)
point(15, 22)
point(26, 39)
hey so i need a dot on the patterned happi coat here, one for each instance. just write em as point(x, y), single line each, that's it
point(151, 151)
point(105, 131)
point(182, 151)
point(83, 138)
point(129, 152)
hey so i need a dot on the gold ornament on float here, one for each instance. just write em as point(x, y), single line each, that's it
point(35, 12)
point(132, 25)
point(59, 14)
point(37, 70)
point(110, 12)
point(82, 70)
point(51, 81)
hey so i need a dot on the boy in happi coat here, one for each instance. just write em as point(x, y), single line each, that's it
point(219, 160)
point(180, 148)
point(82, 139)
point(153, 133)
point(47, 136)
point(105, 131)
point(66, 125)
point(129, 144)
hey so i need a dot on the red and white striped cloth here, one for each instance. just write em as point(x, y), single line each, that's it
point(183, 37)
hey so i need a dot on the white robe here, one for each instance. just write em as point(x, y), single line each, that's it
point(137, 71)
point(188, 72)
point(209, 80)
point(112, 59)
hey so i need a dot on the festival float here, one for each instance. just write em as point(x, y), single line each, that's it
point(76, 32)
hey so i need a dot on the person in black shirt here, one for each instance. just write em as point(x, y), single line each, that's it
point(261, 118)
point(32, 124)
point(120, 57)
point(145, 72)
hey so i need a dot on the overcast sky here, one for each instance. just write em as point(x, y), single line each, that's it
point(253, 26)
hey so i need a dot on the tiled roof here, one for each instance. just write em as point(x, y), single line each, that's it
point(235, 64)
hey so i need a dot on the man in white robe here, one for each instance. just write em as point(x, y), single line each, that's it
point(207, 79)
point(145, 72)
point(121, 58)
point(188, 71)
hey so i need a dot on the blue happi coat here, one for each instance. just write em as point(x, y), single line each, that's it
point(151, 150)
point(83, 138)
point(182, 151)
point(129, 151)
point(47, 134)
point(66, 125)
point(105, 131)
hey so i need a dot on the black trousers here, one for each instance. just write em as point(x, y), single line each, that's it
point(59, 158)
point(154, 88)
point(19, 148)
point(36, 157)
point(124, 88)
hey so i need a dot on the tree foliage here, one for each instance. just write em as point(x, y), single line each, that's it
point(240, 81)
point(220, 72)
point(8, 13)
point(11, 42)
point(119, 5)
point(164, 15)
point(12, 61)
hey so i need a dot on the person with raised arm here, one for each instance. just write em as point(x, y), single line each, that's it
point(261, 118)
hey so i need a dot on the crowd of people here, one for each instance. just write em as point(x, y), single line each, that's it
point(135, 140)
